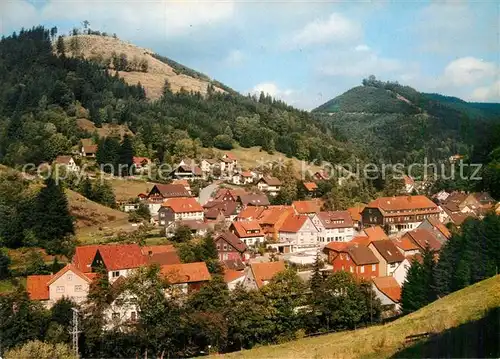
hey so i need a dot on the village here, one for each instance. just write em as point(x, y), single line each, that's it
point(376, 242)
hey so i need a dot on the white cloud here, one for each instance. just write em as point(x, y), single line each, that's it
point(234, 58)
point(130, 19)
point(468, 71)
point(337, 28)
point(270, 88)
point(354, 63)
point(362, 48)
point(487, 93)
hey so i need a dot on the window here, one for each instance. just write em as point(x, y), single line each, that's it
point(115, 274)
point(225, 247)
point(351, 269)
point(78, 288)
point(115, 316)
point(362, 269)
point(60, 289)
point(69, 277)
point(133, 316)
point(374, 267)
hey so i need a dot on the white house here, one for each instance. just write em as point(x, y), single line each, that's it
point(270, 185)
point(297, 232)
point(177, 209)
point(334, 226)
point(68, 162)
point(249, 232)
point(401, 271)
point(388, 291)
point(245, 177)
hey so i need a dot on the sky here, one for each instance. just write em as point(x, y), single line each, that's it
point(304, 53)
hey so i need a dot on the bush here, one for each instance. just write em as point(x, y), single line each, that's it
point(41, 350)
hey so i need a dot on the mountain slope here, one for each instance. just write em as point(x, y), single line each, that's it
point(382, 341)
point(159, 69)
point(396, 123)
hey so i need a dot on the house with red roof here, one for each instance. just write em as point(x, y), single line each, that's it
point(140, 163)
point(69, 283)
point(227, 194)
point(333, 226)
point(272, 218)
point(88, 150)
point(68, 162)
point(439, 229)
point(399, 213)
point(185, 278)
point(230, 247)
point(355, 213)
point(311, 188)
point(406, 245)
point(233, 278)
point(118, 260)
point(353, 258)
point(249, 232)
point(177, 209)
point(309, 207)
point(388, 290)
point(423, 238)
point(296, 233)
point(259, 274)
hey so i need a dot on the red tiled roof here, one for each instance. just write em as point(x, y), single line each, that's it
point(186, 273)
point(263, 272)
point(274, 214)
point(306, 207)
point(163, 248)
point(336, 246)
point(234, 193)
point(72, 268)
point(138, 161)
point(63, 160)
point(401, 203)
point(423, 237)
point(37, 286)
point(84, 255)
point(405, 243)
point(439, 226)
point(242, 227)
point(90, 149)
point(310, 186)
point(335, 219)
point(389, 287)
point(361, 255)
point(183, 205)
point(246, 174)
point(161, 254)
point(233, 241)
point(356, 212)
point(361, 240)
point(388, 251)
point(251, 213)
point(293, 223)
point(123, 256)
point(375, 233)
point(231, 275)
point(230, 155)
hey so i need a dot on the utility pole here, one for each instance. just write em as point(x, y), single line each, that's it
point(74, 331)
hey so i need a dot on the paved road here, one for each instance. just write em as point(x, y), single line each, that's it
point(207, 191)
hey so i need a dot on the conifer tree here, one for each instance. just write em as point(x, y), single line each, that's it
point(412, 294)
point(126, 155)
point(52, 220)
point(316, 278)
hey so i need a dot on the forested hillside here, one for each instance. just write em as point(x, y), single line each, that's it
point(396, 123)
point(42, 94)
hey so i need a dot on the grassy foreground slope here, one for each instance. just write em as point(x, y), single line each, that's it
point(382, 341)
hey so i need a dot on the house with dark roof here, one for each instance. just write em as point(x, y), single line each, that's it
point(162, 192)
point(423, 238)
point(213, 210)
point(270, 185)
point(228, 194)
point(230, 247)
point(439, 229)
point(297, 232)
point(259, 274)
point(67, 162)
point(253, 199)
point(333, 226)
point(388, 255)
point(353, 258)
point(400, 213)
point(197, 227)
point(188, 172)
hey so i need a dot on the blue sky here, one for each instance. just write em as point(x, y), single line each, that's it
point(302, 52)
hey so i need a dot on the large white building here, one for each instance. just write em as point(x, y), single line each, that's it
point(334, 226)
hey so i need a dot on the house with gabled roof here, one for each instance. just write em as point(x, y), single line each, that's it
point(68, 162)
point(253, 199)
point(259, 274)
point(270, 185)
point(249, 232)
point(388, 290)
point(399, 213)
point(118, 260)
point(243, 178)
point(230, 247)
point(188, 172)
point(69, 283)
point(88, 150)
point(271, 220)
point(353, 258)
point(311, 188)
point(177, 209)
point(309, 207)
point(296, 233)
point(162, 192)
point(186, 278)
point(424, 238)
point(333, 226)
point(439, 229)
point(388, 255)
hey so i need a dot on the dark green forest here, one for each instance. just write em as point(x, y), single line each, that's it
point(42, 93)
